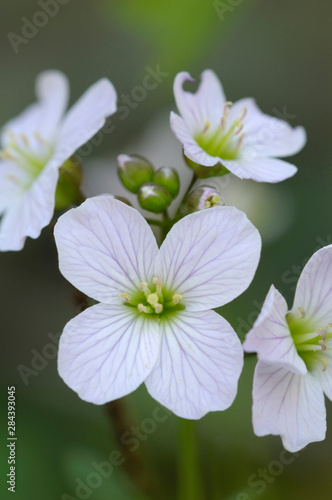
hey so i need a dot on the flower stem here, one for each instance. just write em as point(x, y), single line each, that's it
point(189, 479)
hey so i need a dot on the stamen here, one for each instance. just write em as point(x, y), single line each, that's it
point(321, 332)
point(176, 298)
point(324, 362)
point(25, 139)
point(322, 344)
point(302, 311)
point(5, 154)
point(124, 296)
point(215, 199)
point(207, 204)
point(158, 308)
point(239, 129)
point(39, 138)
point(144, 287)
point(206, 128)
point(158, 284)
point(152, 299)
point(244, 113)
point(240, 141)
point(146, 309)
point(228, 104)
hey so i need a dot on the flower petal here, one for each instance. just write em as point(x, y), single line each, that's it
point(288, 405)
point(260, 169)
point(52, 90)
point(314, 289)
point(323, 371)
point(199, 365)
point(267, 135)
point(105, 248)
point(107, 351)
point(209, 257)
point(85, 118)
point(270, 336)
point(206, 105)
point(29, 212)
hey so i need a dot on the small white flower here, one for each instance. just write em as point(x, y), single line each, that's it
point(238, 136)
point(36, 144)
point(295, 358)
point(153, 321)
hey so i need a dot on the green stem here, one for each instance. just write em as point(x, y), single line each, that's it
point(189, 479)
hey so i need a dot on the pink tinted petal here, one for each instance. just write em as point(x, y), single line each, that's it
point(199, 365)
point(209, 257)
point(105, 248)
point(85, 118)
point(260, 169)
point(314, 289)
point(106, 352)
point(270, 336)
point(30, 212)
point(267, 135)
point(206, 105)
point(288, 405)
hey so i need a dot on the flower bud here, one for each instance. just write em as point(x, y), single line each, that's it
point(168, 178)
point(154, 198)
point(134, 171)
point(68, 188)
point(201, 198)
point(203, 172)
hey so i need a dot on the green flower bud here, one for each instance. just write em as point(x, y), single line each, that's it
point(168, 178)
point(154, 198)
point(68, 188)
point(203, 172)
point(134, 171)
point(201, 198)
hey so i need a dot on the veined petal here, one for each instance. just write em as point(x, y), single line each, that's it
point(105, 248)
point(190, 147)
point(288, 405)
point(30, 212)
point(206, 105)
point(267, 135)
point(323, 370)
point(199, 365)
point(107, 351)
point(270, 336)
point(52, 90)
point(209, 257)
point(85, 118)
point(260, 169)
point(314, 289)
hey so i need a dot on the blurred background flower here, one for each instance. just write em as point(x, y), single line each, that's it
point(276, 52)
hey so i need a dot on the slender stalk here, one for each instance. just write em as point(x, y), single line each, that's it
point(189, 478)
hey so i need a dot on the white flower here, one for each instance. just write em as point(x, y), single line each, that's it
point(295, 358)
point(238, 136)
point(153, 323)
point(36, 144)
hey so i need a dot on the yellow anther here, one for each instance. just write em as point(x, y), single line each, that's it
point(124, 296)
point(144, 287)
point(158, 284)
point(158, 308)
point(207, 204)
point(324, 362)
point(7, 155)
point(225, 114)
point(176, 298)
point(322, 344)
point(152, 299)
point(302, 311)
point(144, 309)
point(215, 199)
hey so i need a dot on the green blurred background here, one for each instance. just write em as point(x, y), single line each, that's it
point(277, 52)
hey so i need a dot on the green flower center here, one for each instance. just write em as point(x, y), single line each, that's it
point(151, 299)
point(31, 158)
point(310, 342)
point(224, 141)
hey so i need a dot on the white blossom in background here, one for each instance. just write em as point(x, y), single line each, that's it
point(36, 144)
point(294, 349)
point(153, 323)
point(238, 136)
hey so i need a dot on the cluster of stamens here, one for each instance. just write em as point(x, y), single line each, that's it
point(221, 142)
point(309, 344)
point(213, 201)
point(152, 299)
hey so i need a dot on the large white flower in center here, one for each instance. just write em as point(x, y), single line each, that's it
point(154, 322)
point(36, 144)
point(238, 136)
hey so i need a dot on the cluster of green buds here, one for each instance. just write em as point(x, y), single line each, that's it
point(155, 189)
point(199, 199)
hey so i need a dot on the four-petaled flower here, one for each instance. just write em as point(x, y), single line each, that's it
point(295, 358)
point(36, 144)
point(240, 137)
point(154, 322)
